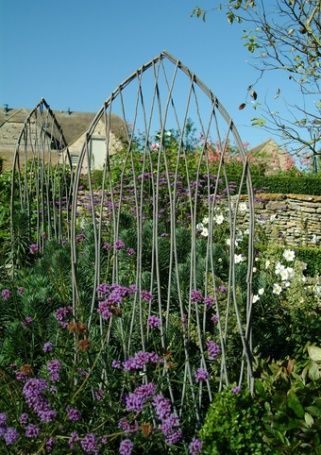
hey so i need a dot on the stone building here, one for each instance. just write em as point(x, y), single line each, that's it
point(74, 126)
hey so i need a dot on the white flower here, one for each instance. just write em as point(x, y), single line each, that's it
point(205, 220)
point(290, 271)
point(277, 289)
point(272, 218)
point(279, 268)
point(289, 255)
point(267, 264)
point(238, 258)
point(260, 291)
point(204, 232)
point(255, 298)
point(243, 207)
point(228, 242)
point(303, 279)
point(219, 260)
point(219, 219)
point(287, 284)
point(199, 226)
point(254, 269)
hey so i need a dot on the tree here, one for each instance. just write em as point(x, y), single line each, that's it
point(285, 37)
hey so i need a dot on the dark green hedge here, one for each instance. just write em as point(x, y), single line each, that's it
point(309, 184)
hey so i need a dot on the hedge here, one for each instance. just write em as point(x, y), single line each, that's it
point(310, 184)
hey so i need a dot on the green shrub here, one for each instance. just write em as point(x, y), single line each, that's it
point(285, 184)
point(233, 425)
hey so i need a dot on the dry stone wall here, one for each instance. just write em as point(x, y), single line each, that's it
point(294, 219)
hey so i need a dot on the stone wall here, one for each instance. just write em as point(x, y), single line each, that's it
point(291, 218)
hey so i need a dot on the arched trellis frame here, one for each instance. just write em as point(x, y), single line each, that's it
point(42, 181)
point(161, 200)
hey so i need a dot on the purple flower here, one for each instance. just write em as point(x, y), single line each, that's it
point(103, 310)
point(173, 437)
point(139, 360)
point(209, 301)
point(162, 406)
point(33, 391)
point(27, 321)
point(23, 419)
point(153, 321)
point(54, 367)
point(201, 375)
point(48, 347)
point(128, 427)
point(33, 248)
point(6, 294)
point(49, 444)
point(62, 314)
point(236, 389)
point(3, 418)
point(99, 394)
point(130, 251)
point(215, 318)
point(20, 290)
point(196, 296)
point(126, 447)
point(213, 349)
point(116, 364)
point(146, 295)
point(134, 402)
point(32, 431)
point(73, 439)
point(73, 414)
point(10, 436)
point(119, 245)
point(89, 443)
point(222, 289)
point(146, 391)
point(195, 446)
point(106, 246)
point(80, 237)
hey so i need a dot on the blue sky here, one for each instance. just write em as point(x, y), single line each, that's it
point(74, 53)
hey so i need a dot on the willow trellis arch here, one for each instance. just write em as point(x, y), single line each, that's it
point(154, 199)
point(42, 180)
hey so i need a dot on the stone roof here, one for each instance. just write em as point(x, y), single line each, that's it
point(73, 125)
point(272, 156)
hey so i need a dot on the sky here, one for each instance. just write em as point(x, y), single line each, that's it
point(74, 53)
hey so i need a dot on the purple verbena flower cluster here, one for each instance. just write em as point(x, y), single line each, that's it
point(213, 349)
point(33, 392)
point(89, 444)
point(197, 297)
point(54, 367)
point(201, 375)
point(195, 446)
point(136, 400)
point(170, 425)
point(112, 295)
point(153, 321)
point(48, 347)
point(140, 359)
point(73, 414)
point(63, 313)
point(6, 294)
point(126, 447)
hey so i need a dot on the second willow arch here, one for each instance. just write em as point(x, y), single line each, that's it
point(164, 221)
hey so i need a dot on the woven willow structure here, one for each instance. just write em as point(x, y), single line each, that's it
point(145, 218)
point(41, 188)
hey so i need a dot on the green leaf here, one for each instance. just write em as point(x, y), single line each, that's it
point(295, 405)
point(314, 353)
point(314, 372)
point(309, 420)
point(258, 121)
